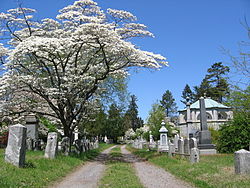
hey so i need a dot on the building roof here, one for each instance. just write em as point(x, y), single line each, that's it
point(209, 103)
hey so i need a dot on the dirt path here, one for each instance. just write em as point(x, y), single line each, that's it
point(152, 176)
point(86, 176)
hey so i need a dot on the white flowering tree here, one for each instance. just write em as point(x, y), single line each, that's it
point(59, 64)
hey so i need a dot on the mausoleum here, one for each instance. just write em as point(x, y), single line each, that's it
point(217, 114)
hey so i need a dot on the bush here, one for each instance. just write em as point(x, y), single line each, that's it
point(235, 135)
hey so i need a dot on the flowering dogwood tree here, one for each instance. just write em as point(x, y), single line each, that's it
point(61, 63)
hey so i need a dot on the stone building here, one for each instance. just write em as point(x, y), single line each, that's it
point(217, 114)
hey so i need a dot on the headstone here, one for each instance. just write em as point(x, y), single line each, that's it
point(242, 162)
point(38, 145)
point(176, 138)
point(205, 144)
point(181, 145)
point(65, 145)
point(51, 147)
point(171, 150)
point(29, 144)
point(194, 155)
point(186, 146)
point(163, 147)
point(32, 127)
point(193, 143)
point(16, 148)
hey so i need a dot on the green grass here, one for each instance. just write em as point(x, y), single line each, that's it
point(40, 172)
point(119, 174)
point(213, 171)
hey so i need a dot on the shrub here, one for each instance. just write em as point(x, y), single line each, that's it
point(235, 135)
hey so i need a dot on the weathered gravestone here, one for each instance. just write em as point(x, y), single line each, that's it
point(16, 148)
point(32, 127)
point(176, 138)
point(242, 162)
point(171, 149)
point(186, 146)
point(51, 147)
point(65, 143)
point(194, 155)
point(181, 146)
point(193, 143)
point(29, 144)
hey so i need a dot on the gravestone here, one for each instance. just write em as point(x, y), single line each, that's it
point(242, 162)
point(193, 143)
point(181, 146)
point(176, 138)
point(29, 144)
point(171, 150)
point(186, 146)
point(205, 143)
point(16, 148)
point(32, 126)
point(194, 155)
point(51, 147)
point(65, 143)
point(163, 147)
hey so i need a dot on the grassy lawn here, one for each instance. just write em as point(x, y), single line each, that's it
point(119, 174)
point(40, 172)
point(212, 171)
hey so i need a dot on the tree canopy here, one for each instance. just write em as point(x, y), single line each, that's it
point(59, 65)
point(168, 103)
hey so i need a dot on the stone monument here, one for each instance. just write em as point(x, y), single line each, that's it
point(242, 162)
point(163, 146)
point(205, 143)
point(51, 147)
point(32, 126)
point(16, 148)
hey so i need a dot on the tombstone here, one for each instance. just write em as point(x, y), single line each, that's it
point(193, 143)
point(194, 155)
point(37, 145)
point(32, 126)
point(163, 147)
point(29, 144)
point(205, 144)
point(65, 144)
point(186, 146)
point(51, 147)
point(16, 148)
point(181, 146)
point(171, 149)
point(176, 138)
point(242, 162)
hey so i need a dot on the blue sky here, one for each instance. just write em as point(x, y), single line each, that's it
point(190, 34)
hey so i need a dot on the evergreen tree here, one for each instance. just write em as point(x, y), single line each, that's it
point(187, 93)
point(131, 118)
point(214, 84)
point(168, 103)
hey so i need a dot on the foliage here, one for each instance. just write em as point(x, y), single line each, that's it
point(114, 127)
point(168, 103)
point(214, 135)
point(187, 93)
point(235, 135)
point(47, 123)
point(57, 67)
point(240, 99)
point(214, 85)
point(131, 118)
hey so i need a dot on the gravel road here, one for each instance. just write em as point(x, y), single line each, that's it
point(152, 176)
point(88, 175)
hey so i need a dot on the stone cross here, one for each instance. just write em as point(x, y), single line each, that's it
point(16, 148)
point(194, 155)
point(51, 147)
point(242, 162)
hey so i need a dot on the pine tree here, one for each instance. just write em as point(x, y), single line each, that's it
point(187, 93)
point(168, 103)
point(131, 116)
